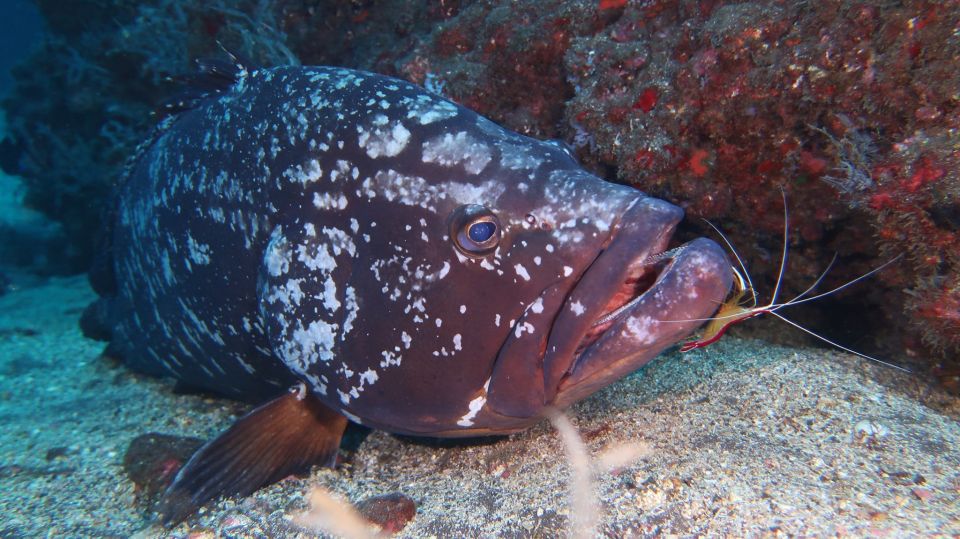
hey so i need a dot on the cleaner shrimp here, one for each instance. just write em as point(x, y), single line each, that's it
point(742, 303)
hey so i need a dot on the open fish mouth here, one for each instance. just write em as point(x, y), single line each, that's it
point(635, 300)
point(642, 275)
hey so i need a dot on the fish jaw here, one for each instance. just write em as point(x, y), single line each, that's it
point(595, 345)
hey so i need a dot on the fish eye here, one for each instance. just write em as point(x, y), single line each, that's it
point(481, 231)
point(475, 229)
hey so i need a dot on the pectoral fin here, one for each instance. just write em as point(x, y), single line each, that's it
point(283, 436)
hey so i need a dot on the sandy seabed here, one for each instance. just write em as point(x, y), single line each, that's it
point(746, 438)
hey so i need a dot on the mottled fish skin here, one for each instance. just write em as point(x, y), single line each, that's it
point(302, 227)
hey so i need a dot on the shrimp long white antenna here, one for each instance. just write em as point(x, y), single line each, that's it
point(745, 276)
point(740, 277)
point(733, 311)
point(840, 346)
point(783, 254)
point(797, 300)
point(816, 283)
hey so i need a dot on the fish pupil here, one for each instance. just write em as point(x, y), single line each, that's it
point(482, 231)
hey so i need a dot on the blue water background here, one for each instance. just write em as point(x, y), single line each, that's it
point(21, 28)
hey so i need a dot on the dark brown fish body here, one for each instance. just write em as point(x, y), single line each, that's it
point(418, 268)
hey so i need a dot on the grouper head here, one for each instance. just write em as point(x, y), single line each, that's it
point(575, 289)
point(459, 278)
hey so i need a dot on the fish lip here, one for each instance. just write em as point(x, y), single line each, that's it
point(644, 229)
point(571, 373)
point(689, 289)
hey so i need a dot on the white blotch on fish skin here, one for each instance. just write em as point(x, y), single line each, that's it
point(520, 329)
point(309, 345)
point(406, 339)
point(315, 257)
point(343, 170)
point(428, 110)
point(217, 214)
point(351, 417)
point(303, 174)
point(274, 146)
point(417, 191)
point(640, 329)
point(517, 156)
point(369, 377)
point(407, 190)
point(444, 270)
point(567, 271)
point(199, 252)
point(329, 296)
point(496, 321)
point(382, 139)
point(449, 150)
point(390, 359)
point(704, 265)
point(352, 309)
point(438, 322)
point(289, 294)
point(577, 308)
point(278, 254)
point(457, 342)
point(329, 201)
point(463, 309)
point(340, 241)
point(537, 306)
point(474, 408)
point(303, 347)
point(522, 272)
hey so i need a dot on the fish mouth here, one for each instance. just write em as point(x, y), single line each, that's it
point(641, 276)
point(636, 299)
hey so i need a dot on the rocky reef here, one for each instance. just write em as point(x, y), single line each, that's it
point(850, 108)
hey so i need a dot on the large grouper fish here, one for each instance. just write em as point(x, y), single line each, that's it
point(337, 245)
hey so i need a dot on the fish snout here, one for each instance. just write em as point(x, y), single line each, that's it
point(675, 292)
